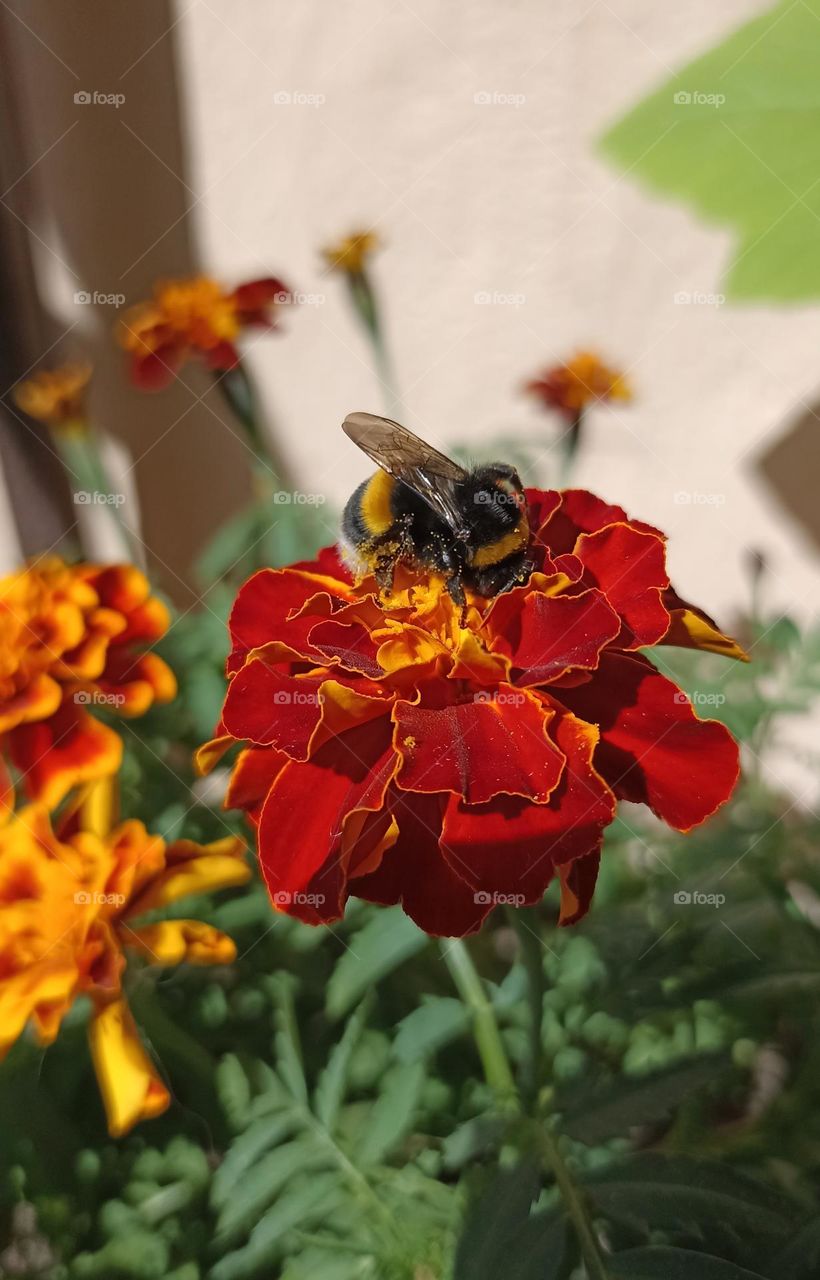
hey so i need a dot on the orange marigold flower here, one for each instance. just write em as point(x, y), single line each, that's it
point(401, 752)
point(55, 396)
point(70, 906)
point(194, 317)
point(583, 380)
point(350, 254)
point(72, 638)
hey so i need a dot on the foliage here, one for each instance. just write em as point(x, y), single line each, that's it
point(732, 134)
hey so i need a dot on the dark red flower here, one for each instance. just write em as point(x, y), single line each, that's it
point(397, 751)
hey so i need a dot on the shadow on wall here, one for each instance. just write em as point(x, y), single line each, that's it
point(103, 193)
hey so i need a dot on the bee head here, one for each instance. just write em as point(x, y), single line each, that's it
point(496, 494)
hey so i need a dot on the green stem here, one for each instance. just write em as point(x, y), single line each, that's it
point(80, 455)
point(270, 469)
point(574, 1202)
point(532, 959)
point(572, 443)
point(485, 1028)
point(366, 307)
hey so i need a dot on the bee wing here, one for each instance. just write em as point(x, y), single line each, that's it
point(395, 449)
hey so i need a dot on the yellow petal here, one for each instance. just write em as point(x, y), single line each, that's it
point(178, 941)
point(130, 1086)
point(195, 875)
point(689, 630)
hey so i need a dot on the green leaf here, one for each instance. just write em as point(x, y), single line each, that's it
point(286, 1041)
point(234, 1090)
point(244, 1152)
point(500, 1238)
point(747, 160)
point(392, 1115)
point(436, 1022)
point(308, 1202)
point(662, 1263)
point(386, 941)
point(800, 1260)
point(592, 1114)
point(712, 1204)
point(262, 1183)
point(331, 1087)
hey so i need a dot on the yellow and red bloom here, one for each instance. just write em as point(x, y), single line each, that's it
point(56, 396)
point(350, 254)
point(71, 904)
point(401, 752)
point(585, 379)
point(194, 318)
point(72, 638)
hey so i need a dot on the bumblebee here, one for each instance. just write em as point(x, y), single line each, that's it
point(424, 510)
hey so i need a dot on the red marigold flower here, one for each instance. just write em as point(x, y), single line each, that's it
point(581, 381)
point(196, 317)
point(72, 637)
point(401, 752)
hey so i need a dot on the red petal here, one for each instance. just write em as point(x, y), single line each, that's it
point(252, 777)
point(555, 633)
point(349, 643)
point(477, 750)
point(630, 568)
point(270, 708)
point(578, 880)
point(329, 562)
point(262, 612)
point(508, 848)
point(253, 299)
point(415, 874)
point(302, 822)
point(157, 370)
point(57, 754)
point(582, 512)
point(654, 750)
point(222, 357)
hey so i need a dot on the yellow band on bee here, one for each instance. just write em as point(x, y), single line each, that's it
point(495, 552)
point(376, 504)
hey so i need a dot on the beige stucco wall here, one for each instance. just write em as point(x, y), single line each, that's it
point(504, 198)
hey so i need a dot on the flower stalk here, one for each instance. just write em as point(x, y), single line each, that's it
point(487, 1036)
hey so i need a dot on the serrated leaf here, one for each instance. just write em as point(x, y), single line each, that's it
point(502, 1238)
point(437, 1021)
point(305, 1204)
point(388, 939)
point(745, 160)
point(711, 1203)
point(244, 1152)
point(233, 1088)
point(592, 1114)
point(392, 1115)
point(286, 1042)
point(331, 1087)
point(476, 1137)
point(266, 1178)
point(664, 1263)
